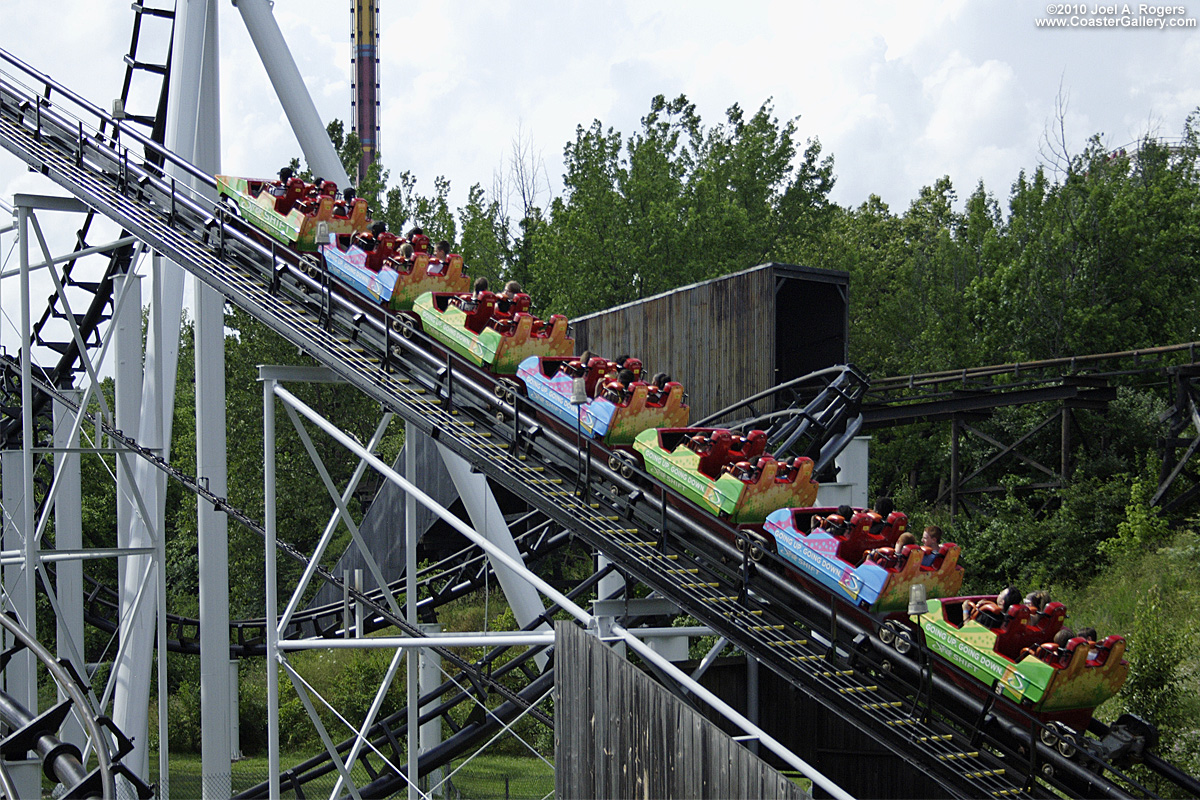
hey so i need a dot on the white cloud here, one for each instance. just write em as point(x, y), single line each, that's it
point(971, 103)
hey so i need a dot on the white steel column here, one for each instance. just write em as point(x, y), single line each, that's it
point(162, 355)
point(68, 535)
point(198, 138)
point(213, 531)
point(18, 675)
point(431, 732)
point(293, 94)
point(272, 599)
point(410, 576)
point(22, 596)
point(21, 673)
point(127, 341)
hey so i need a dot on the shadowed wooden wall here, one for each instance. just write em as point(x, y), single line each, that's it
point(733, 336)
point(619, 734)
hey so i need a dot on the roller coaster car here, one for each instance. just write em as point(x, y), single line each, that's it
point(726, 474)
point(1012, 653)
point(467, 328)
point(382, 276)
point(861, 567)
point(614, 421)
point(279, 211)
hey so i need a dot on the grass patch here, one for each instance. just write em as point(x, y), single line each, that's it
point(1149, 597)
point(482, 777)
point(502, 777)
point(187, 777)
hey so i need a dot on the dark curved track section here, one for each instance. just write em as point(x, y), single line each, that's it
point(450, 579)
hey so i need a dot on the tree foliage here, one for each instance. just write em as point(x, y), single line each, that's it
point(675, 203)
point(1096, 255)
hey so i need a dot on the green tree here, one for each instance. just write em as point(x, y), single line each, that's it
point(433, 214)
point(804, 210)
point(485, 246)
point(867, 243)
point(1100, 262)
point(1155, 689)
point(582, 261)
point(673, 204)
point(743, 173)
point(350, 153)
point(650, 195)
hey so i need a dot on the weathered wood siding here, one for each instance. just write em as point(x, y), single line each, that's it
point(619, 734)
point(716, 338)
point(730, 337)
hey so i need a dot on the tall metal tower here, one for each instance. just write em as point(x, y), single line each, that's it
point(364, 91)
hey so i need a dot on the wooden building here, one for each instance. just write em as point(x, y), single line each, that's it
point(730, 337)
point(618, 733)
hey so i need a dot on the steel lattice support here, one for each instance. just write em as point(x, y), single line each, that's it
point(277, 649)
point(415, 647)
point(1057, 431)
point(1179, 482)
point(41, 479)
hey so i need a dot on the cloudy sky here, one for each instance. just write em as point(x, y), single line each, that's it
point(899, 93)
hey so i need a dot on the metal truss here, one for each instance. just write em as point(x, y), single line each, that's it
point(962, 397)
point(41, 473)
point(966, 408)
point(1179, 482)
point(277, 649)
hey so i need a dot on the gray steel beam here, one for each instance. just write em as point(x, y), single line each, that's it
point(877, 416)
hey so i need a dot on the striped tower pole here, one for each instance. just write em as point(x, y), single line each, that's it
point(364, 91)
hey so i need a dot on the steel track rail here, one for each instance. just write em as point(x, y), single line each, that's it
point(441, 583)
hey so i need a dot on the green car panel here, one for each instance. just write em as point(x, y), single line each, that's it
point(501, 353)
point(1078, 683)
